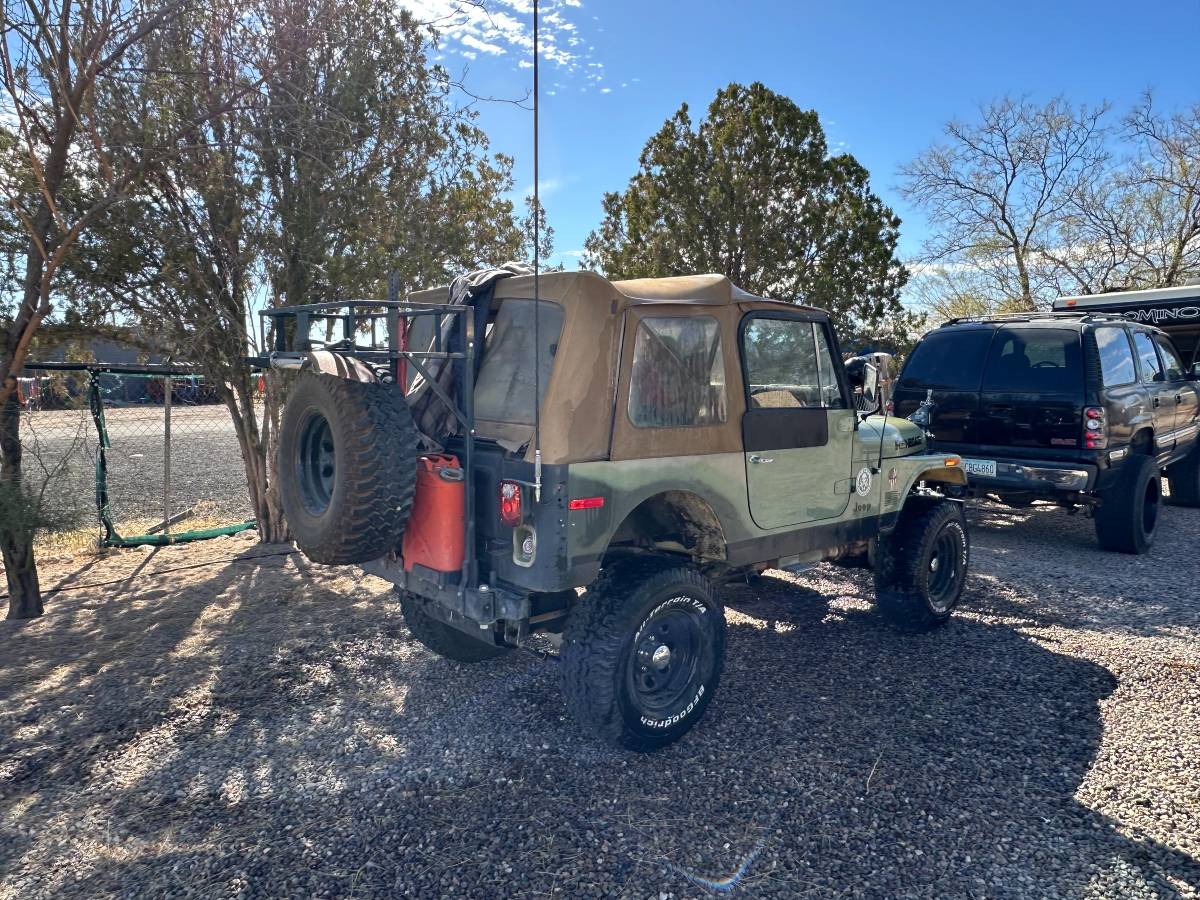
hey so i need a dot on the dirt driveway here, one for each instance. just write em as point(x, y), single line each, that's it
point(225, 719)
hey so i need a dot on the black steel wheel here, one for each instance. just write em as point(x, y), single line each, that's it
point(921, 567)
point(642, 653)
point(315, 463)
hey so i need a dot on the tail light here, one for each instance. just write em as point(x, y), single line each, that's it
point(1095, 428)
point(510, 503)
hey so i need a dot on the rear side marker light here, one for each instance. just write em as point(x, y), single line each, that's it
point(586, 503)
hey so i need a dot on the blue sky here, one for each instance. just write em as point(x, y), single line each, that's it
point(883, 76)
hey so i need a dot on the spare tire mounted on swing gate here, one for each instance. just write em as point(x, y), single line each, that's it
point(347, 461)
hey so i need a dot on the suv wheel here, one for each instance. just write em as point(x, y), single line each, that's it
point(1128, 513)
point(1184, 477)
point(444, 640)
point(921, 567)
point(642, 653)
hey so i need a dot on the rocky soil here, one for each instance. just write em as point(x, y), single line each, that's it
point(226, 720)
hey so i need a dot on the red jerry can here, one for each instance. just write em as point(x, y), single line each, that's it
point(434, 535)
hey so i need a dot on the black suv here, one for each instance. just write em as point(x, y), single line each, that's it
point(1084, 410)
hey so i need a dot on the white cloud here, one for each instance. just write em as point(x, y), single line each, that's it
point(606, 90)
point(476, 44)
point(573, 253)
point(500, 27)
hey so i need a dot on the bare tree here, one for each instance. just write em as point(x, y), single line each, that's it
point(996, 190)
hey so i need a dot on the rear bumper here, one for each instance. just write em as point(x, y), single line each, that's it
point(1037, 476)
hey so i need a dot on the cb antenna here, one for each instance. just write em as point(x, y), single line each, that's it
point(537, 311)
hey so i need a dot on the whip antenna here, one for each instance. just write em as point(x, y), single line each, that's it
point(537, 311)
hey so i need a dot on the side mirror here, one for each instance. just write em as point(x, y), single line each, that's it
point(1194, 375)
point(867, 400)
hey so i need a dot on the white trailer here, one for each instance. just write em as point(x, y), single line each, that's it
point(1176, 310)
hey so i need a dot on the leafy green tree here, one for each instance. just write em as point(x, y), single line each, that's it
point(752, 192)
point(347, 161)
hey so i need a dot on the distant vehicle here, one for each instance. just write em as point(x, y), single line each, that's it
point(691, 433)
point(1083, 409)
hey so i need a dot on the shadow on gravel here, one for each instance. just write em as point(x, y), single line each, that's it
point(1044, 567)
point(307, 747)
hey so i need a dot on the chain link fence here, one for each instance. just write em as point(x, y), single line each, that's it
point(153, 454)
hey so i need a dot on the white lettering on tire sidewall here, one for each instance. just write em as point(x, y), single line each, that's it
point(699, 607)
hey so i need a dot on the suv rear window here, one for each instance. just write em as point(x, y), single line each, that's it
point(1034, 360)
point(948, 360)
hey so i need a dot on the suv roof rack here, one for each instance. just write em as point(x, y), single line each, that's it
point(1081, 315)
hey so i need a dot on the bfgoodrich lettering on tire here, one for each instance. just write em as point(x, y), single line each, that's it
point(921, 567)
point(642, 653)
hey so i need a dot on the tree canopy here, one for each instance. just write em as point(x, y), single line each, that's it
point(753, 192)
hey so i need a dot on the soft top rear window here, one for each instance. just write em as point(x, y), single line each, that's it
point(1034, 360)
point(504, 391)
point(948, 360)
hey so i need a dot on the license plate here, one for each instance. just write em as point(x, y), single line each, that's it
point(985, 467)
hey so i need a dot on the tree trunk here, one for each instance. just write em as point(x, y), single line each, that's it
point(16, 532)
point(256, 453)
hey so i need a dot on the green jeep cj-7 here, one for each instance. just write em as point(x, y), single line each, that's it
point(684, 433)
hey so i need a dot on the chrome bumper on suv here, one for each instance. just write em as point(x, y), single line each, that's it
point(1037, 476)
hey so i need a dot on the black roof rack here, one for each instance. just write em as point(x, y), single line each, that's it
point(1078, 315)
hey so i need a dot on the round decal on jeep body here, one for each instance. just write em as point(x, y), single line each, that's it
point(862, 484)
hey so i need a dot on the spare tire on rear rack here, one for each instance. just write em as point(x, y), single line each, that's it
point(348, 463)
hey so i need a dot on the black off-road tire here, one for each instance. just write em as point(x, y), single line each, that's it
point(610, 660)
point(1184, 477)
point(443, 639)
point(347, 468)
point(921, 567)
point(1127, 517)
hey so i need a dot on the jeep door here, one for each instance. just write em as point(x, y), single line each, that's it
point(1161, 394)
point(798, 428)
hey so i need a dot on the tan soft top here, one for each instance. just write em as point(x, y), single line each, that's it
point(578, 410)
point(703, 290)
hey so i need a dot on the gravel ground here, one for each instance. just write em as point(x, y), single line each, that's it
point(263, 727)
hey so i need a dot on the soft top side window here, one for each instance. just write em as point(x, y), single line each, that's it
point(789, 364)
point(677, 379)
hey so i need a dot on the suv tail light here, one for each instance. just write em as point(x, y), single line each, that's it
point(1095, 428)
point(510, 503)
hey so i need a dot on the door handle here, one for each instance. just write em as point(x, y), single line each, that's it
point(1156, 402)
point(1178, 399)
point(762, 459)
